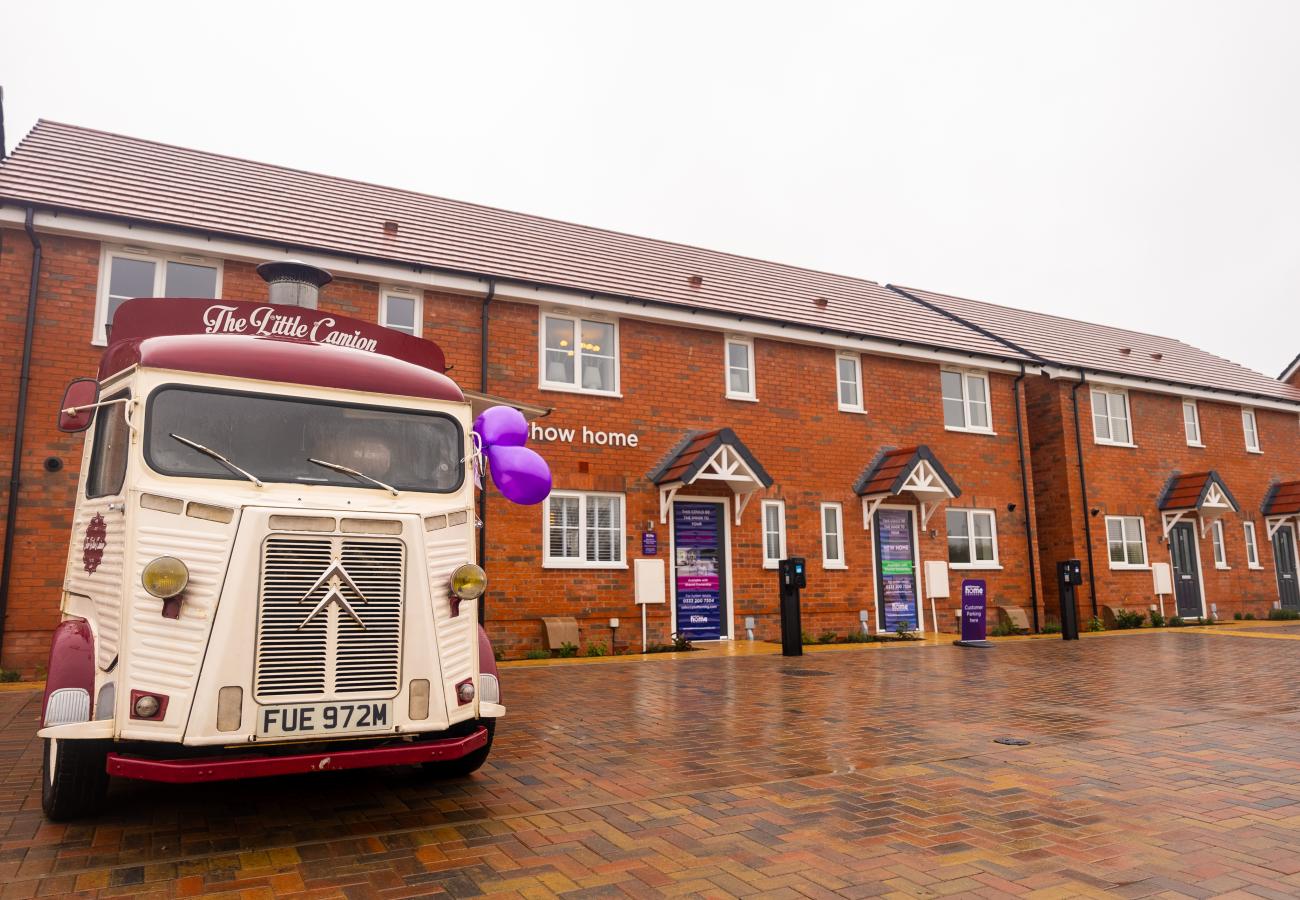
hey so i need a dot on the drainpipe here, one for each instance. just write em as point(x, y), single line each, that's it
point(20, 421)
point(1024, 493)
point(483, 386)
point(1083, 490)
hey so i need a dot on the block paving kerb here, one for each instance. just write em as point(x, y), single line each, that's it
point(850, 773)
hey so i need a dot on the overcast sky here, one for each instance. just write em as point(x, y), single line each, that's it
point(1133, 163)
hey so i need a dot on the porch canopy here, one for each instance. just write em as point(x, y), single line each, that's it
point(716, 456)
point(1281, 503)
point(1200, 494)
point(914, 471)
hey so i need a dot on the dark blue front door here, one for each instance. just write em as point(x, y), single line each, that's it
point(699, 570)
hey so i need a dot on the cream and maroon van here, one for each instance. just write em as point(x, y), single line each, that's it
point(272, 564)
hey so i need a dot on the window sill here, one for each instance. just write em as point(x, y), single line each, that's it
point(570, 389)
point(1101, 443)
point(1256, 452)
point(835, 567)
point(1223, 568)
point(988, 431)
point(1118, 568)
point(1255, 568)
point(857, 410)
point(745, 397)
point(773, 565)
point(973, 567)
point(564, 564)
point(1199, 446)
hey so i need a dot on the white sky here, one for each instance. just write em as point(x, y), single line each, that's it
point(1134, 163)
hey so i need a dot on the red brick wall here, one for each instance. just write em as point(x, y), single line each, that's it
point(1127, 481)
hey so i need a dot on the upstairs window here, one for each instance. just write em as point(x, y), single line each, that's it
point(740, 369)
point(400, 310)
point(579, 355)
point(972, 538)
point(848, 373)
point(1110, 422)
point(965, 400)
point(1126, 542)
point(126, 274)
point(1248, 426)
point(583, 531)
point(773, 533)
point(1192, 423)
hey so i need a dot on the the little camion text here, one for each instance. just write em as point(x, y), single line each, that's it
point(555, 433)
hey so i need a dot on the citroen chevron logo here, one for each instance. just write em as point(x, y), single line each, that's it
point(334, 579)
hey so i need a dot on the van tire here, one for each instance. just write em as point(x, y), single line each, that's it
point(74, 780)
point(469, 764)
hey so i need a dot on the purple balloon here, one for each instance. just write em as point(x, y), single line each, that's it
point(520, 474)
point(501, 426)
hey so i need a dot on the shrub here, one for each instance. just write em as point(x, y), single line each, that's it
point(1237, 616)
point(903, 630)
point(1157, 619)
point(1176, 622)
point(537, 653)
point(1277, 613)
point(567, 650)
point(805, 637)
point(1127, 618)
point(826, 637)
point(498, 654)
point(596, 650)
point(1094, 624)
point(1051, 628)
point(9, 675)
point(857, 637)
point(681, 641)
point(1003, 628)
point(1249, 617)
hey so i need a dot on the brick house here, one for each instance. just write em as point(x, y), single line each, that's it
point(711, 411)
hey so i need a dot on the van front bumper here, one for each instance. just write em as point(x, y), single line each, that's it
point(218, 768)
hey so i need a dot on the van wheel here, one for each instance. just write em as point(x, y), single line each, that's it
point(74, 779)
point(466, 765)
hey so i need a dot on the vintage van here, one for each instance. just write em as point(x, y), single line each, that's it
point(272, 562)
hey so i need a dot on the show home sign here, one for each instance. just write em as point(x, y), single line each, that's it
point(556, 434)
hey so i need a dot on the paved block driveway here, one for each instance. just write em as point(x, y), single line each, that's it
point(1163, 764)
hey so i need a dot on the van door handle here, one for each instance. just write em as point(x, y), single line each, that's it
point(117, 507)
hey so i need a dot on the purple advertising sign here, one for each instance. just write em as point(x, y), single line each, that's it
point(974, 610)
point(697, 570)
point(649, 543)
point(896, 559)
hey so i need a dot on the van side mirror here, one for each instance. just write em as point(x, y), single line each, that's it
point(84, 392)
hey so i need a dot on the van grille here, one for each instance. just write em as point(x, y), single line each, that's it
point(331, 654)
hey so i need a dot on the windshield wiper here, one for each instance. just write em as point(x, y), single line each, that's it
point(208, 451)
point(339, 467)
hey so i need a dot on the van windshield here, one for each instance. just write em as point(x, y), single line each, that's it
point(275, 439)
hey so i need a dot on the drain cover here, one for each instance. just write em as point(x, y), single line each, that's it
point(805, 673)
point(1012, 742)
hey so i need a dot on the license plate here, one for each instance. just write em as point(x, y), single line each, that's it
point(315, 719)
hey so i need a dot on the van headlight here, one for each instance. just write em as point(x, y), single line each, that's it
point(165, 577)
point(468, 582)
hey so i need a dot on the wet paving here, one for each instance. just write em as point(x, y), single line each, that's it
point(1159, 764)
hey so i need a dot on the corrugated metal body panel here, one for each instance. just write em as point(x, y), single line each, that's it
point(445, 550)
point(1104, 348)
point(97, 172)
point(104, 585)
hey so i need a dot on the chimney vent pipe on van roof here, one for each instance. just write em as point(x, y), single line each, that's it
point(294, 283)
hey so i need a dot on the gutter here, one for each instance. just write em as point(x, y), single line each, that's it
point(1083, 489)
point(20, 421)
point(1024, 493)
point(483, 387)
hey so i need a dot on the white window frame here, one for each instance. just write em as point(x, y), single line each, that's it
point(1109, 392)
point(748, 343)
point(575, 387)
point(1142, 533)
point(1218, 545)
point(99, 337)
point(404, 293)
point(1252, 545)
point(1250, 434)
point(966, 375)
point(828, 561)
point(861, 405)
point(1195, 423)
point(779, 506)
point(561, 562)
point(996, 562)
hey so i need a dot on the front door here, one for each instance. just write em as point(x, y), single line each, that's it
point(700, 570)
point(1187, 579)
point(896, 569)
point(1288, 587)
